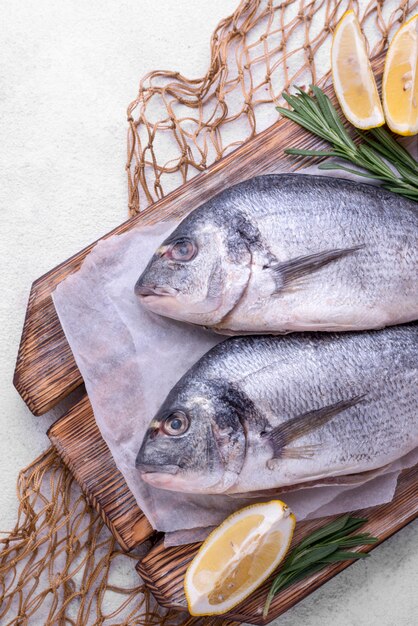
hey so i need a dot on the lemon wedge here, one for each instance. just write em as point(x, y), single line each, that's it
point(352, 75)
point(237, 557)
point(400, 80)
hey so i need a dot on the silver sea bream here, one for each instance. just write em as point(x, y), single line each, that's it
point(290, 252)
point(266, 412)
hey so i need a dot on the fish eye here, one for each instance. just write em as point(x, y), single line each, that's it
point(182, 250)
point(176, 424)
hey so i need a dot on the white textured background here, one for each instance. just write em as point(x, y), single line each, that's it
point(68, 71)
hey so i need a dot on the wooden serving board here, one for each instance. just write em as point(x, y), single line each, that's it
point(78, 441)
point(163, 569)
point(46, 372)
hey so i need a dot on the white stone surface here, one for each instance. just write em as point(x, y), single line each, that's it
point(68, 71)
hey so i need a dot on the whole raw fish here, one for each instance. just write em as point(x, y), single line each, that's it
point(264, 412)
point(290, 252)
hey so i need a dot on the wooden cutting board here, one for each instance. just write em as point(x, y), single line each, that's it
point(46, 372)
point(78, 441)
point(163, 569)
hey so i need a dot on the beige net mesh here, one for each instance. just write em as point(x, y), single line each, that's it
point(60, 565)
point(178, 126)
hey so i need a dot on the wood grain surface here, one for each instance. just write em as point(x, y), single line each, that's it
point(79, 443)
point(163, 569)
point(45, 369)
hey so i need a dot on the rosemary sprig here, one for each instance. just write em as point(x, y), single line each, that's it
point(378, 149)
point(326, 545)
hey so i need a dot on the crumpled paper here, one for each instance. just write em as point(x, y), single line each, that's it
point(130, 358)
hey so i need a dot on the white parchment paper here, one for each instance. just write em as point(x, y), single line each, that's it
point(130, 359)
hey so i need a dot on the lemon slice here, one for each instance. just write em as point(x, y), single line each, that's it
point(400, 80)
point(237, 557)
point(352, 75)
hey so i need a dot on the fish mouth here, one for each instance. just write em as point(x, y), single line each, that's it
point(145, 291)
point(159, 476)
point(149, 468)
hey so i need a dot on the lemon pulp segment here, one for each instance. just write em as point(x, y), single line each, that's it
point(237, 557)
point(400, 80)
point(353, 78)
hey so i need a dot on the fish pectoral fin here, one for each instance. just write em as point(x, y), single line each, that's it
point(281, 436)
point(287, 272)
point(300, 452)
point(293, 452)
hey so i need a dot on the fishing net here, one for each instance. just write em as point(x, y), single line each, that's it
point(178, 126)
point(60, 565)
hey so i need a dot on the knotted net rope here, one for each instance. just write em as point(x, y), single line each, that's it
point(180, 126)
point(60, 565)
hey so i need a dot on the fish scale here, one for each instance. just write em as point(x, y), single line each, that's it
point(263, 412)
point(290, 252)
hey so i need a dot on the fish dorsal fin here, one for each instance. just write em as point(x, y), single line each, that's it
point(286, 272)
point(295, 428)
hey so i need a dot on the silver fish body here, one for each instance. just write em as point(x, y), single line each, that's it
point(282, 253)
point(264, 412)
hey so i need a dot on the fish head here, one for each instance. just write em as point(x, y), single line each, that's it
point(194, 444)
point(198, 273)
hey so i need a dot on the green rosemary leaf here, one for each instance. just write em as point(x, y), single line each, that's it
point(357, 540)
point(286, 582)
point(341, 555)
point(304, 103)
point(350, 527)
point(379, 156)
point(407, 174)
point(281, 582)
point(332, 115)
point(311, 556)
point(309, 102)
point(375, 160)
point(384, 138)
point(384, 150)
point(405, 193)
point(303, 107)
point(326, 531)
point(296, 117)
point(317, 153)
point(292, 100)
point(412, 193)
point(323, 105)
point(331, 165)
point(348, 139)
point(322, 547)
point(313, 109)
point(302, 121)
point(312, 122)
